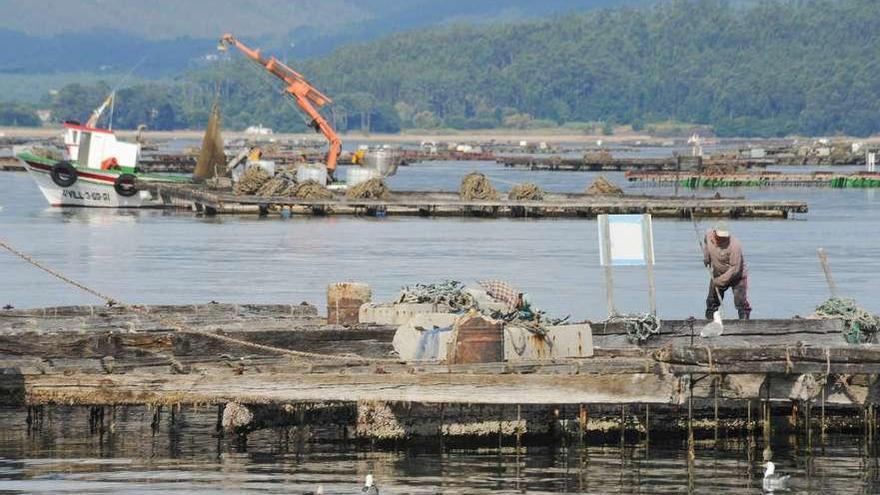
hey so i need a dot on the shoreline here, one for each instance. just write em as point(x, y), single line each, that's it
point(417, 136)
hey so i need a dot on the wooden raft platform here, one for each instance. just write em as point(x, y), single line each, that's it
point(110, 356)
point(611, 164)
point(444, 204)
point(759, 179)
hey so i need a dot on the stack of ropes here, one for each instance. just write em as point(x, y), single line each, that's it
point(183, 328)
point(861, 325)
point(526, 191)
point(603, 187)
point(639, 327)
point(369, 189)
point(309, 190)
point(476, 187)
point(251, 181)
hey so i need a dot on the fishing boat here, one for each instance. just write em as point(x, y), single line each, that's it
point(96, 170)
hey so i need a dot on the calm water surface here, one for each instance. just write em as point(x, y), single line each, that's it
point(176, 257)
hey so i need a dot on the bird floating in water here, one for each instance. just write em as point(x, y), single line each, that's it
point(772, 481)
point(714, 328)
point(370, 487)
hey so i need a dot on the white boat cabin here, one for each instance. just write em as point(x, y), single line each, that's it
point(96, 148)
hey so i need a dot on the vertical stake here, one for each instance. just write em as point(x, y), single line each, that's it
point(715, 385)
point(518, 429)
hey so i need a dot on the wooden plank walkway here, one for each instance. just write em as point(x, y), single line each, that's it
point(110, 356)
point(441, 204)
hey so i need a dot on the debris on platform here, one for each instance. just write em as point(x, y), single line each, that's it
point(603, 187)
point(526, 191)
point(449, 293)
point(477, 187)
point(861, 326)
point(251, 181)
point(369, 189)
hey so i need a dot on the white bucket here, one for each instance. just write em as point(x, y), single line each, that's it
point(356, 175)
point(317, 173)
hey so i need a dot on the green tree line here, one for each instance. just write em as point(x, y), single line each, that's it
point(775, 68)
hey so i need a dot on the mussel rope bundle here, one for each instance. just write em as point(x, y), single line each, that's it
point(526, 191)
point(476, 187)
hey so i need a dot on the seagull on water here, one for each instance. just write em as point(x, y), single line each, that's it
point(772, 481)
point(370, 487)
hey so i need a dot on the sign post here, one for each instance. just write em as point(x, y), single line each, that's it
point(627, 240)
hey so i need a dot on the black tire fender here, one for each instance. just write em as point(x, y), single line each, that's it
point(125, 185)
point(64, 174)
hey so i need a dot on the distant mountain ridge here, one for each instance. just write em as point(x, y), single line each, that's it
point(170, 35)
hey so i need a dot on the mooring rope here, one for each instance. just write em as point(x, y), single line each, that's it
point(180, 327)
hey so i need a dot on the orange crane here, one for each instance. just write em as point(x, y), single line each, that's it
point(304, 94)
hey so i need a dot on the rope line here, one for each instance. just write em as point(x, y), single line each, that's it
point(180, 327)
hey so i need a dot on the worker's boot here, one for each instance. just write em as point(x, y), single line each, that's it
point(744, 314)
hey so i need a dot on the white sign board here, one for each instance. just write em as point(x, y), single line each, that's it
point(626, 240)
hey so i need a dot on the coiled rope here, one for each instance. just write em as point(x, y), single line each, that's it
point(181, 327)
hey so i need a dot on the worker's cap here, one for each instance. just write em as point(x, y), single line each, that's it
point(722, 230)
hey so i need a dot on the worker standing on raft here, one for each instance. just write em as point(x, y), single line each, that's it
point(724, 254)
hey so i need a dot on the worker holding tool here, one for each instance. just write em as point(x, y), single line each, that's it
point(723, 254)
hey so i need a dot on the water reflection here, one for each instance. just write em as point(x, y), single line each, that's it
point(183, 454)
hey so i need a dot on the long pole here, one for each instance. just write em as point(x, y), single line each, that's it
point(826, 267)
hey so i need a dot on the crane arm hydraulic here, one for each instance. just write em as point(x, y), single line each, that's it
point(306, 96)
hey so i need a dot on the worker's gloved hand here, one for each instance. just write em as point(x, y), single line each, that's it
point(717, 282)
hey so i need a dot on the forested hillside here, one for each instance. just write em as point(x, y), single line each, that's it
point(776, 68)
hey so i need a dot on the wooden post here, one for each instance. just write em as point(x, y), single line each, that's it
point(518, 430)
point(826, 267)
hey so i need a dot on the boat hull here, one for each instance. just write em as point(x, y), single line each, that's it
point(91, 189)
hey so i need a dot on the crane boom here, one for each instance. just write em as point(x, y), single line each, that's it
point(306, 96)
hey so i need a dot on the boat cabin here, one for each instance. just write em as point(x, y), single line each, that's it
point(90, 147)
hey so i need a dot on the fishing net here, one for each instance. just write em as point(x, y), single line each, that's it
point(639, 327)
point(476, 186)
point(369, 189)
point(212, 159)
point(603, 187)
point(861, 326)
point(449, 292)
point(309, 190)
point(251, 181)
point(526, 191)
